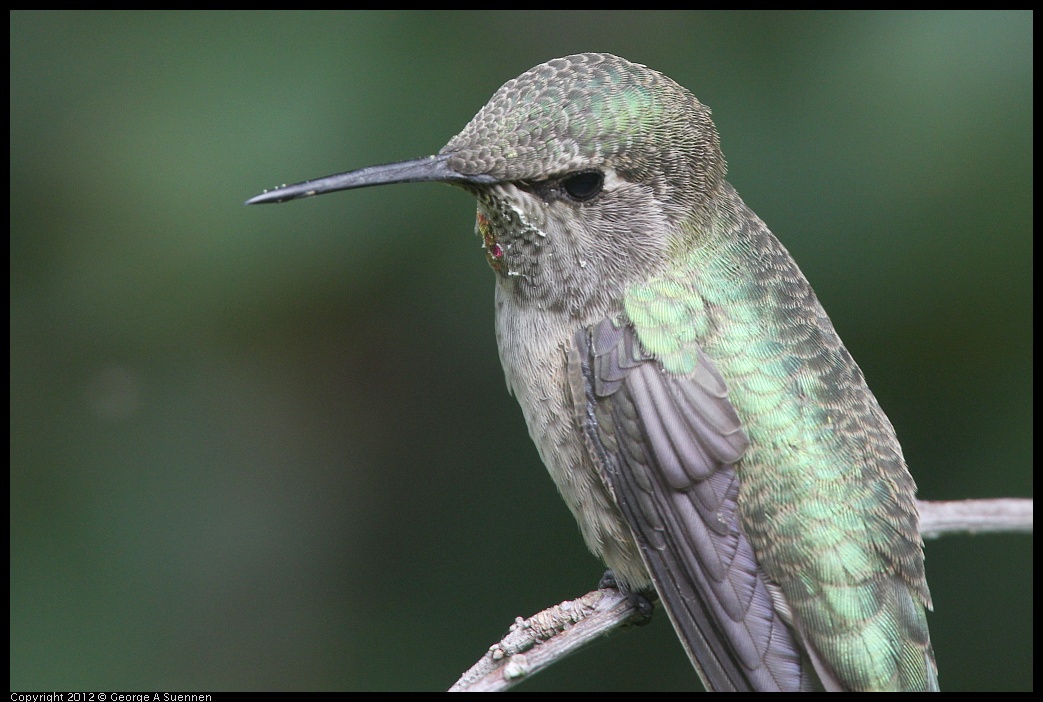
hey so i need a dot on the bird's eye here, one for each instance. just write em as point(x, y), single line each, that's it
point(583, 186)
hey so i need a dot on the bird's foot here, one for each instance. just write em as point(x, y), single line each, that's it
point(643, 601)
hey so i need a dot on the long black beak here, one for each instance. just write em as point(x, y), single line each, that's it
point(427, 169)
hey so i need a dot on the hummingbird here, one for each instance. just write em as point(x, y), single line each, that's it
point(683, 385)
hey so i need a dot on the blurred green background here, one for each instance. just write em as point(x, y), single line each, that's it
point(271, 447)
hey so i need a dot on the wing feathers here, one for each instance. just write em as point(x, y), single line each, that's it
point(667, 446)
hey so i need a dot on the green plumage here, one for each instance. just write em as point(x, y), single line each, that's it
point(824, 495)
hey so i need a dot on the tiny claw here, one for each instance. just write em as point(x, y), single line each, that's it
point(608, 581)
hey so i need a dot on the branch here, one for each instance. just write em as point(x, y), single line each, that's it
point(537, 642)
point(974, 517)
point(533, 644)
